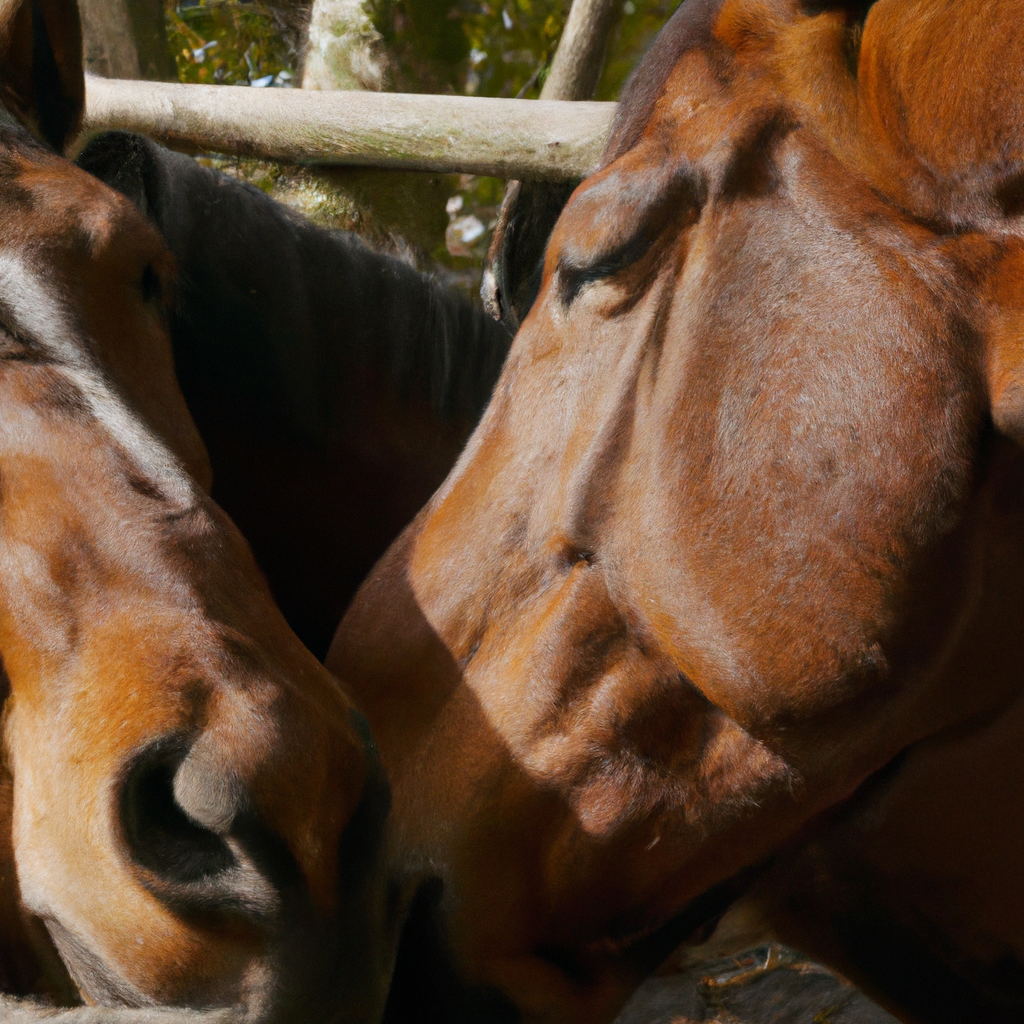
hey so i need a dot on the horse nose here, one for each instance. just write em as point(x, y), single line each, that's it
point(191, 829)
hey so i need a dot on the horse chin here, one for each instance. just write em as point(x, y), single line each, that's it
point(719, 917)
point(740, 928)
point(308, 973)
point(95, 978)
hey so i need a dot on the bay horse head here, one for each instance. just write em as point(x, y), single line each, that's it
point(726, 593)
point(195, 810)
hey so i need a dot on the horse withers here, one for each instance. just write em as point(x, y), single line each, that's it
point(726, 594)
point(192, 809)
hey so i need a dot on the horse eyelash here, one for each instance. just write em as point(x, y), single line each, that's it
point(572, 279)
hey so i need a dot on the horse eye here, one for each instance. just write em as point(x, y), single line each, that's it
point(150, 285)
point(572, 279)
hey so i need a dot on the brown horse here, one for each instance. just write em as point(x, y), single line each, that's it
point(726, 593)
point(191, 810)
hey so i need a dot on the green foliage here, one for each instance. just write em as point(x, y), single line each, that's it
point(231, 42)
point(486, 47)
point(500, 47)
point(512, 45)
point(427, 48)
point(641, 21)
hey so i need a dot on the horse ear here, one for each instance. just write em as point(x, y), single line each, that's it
point(515, 260)
point(129, 164)
point(41, 77)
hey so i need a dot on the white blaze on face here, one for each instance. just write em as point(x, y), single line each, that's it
point(65, 863)
point(41, 317)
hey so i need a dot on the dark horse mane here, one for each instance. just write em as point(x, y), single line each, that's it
point(332, 385)
point(319, 304)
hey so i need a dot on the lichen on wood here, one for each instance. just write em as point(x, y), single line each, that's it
point(473, 135)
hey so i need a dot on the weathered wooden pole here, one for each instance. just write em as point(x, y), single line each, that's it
point(576, 68)
point(471, 135)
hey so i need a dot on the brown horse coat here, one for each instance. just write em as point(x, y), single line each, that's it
point(190, 811)
point(726, 593)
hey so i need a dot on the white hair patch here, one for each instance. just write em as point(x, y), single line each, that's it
point(42, 318)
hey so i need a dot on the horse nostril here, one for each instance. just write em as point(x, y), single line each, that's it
point(186, 826)
point(160, 836)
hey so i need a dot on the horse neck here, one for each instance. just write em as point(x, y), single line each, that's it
point(304, 322)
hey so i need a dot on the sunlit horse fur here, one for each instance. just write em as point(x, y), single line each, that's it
point(725, 594)
point(191, 809)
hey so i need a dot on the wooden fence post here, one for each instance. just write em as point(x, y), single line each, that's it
point(127, 39)
point(579, 59)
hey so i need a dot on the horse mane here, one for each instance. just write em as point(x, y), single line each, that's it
point(289, 314)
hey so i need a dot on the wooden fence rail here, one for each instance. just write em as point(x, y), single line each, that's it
point(538, 139)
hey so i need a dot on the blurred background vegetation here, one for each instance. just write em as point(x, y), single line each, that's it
point(478, 47)
point(233, 42)
point(481, 47)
